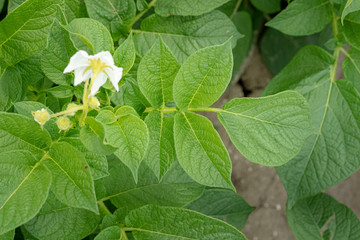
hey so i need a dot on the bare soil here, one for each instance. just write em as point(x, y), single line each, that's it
point(261, 186)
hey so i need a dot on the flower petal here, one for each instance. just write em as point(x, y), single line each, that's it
point(98, 82)
point(80, 76)
point(115, 75)
point(79, 59)
point(105, 57)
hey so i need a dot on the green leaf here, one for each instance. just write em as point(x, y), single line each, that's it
point(91, 32)
point(351, 29)
point(311, 218)
point(270, 130)
point(98, 165)
point(1, 7)
point(203, 77)
point(74, 9)
point(106, 117)
point(59, 221)
point(243, 23)
point(224, 205)
point(125, 110)
point(351, 6)
point(61, 91)
point(130, 135)
point(156, 74)
point(331, 154)
point(27, 107)
point(200, 151)
point(19, 132)
point(114, 14)
point(24, 32)
point(125, 55)
point(56, 56)
point(72, 182)
point(20, 173)
point(10, 234)
point(110, 233)
point(11, 88)
point(267, 6)
point(166, 8)
point(160, 153)
point(351, 67)
point(13, 4)
point(175, 189)
point(303, 17)
point(277, 49)
point(92, 135)
point(185, 35)
point(155, 222)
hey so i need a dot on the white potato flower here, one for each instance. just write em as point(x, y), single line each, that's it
point(99, 66)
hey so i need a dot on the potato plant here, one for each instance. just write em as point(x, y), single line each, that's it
point(102, 134)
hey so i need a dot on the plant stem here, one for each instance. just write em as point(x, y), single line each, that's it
point(139, 15)
point(70, 111)
point(123, 234)
point(236, 9)
point(334, 66)
point(334, 22)
point(104, 208)
point(87, 89)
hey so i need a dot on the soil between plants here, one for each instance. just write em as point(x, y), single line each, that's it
point(261, 186)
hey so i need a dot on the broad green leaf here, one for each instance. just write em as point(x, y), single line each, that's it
point(10, 234)
point(277, 49)
point(13, 4)
point(27, 107)
point(160, 153)
point(130, 135)
point(269, 130)
point(110, 233)
point(156, 74)
point(11, 88)
point(167, 8)
point(185, 35)
point(125, 110)
point(20, 173)
point(106, 117)
point(203, 77)
point(200, 151)
point(92, 33)
point(351, 29)
point(351, 67)
point(125, 55)
point(114, 14)
point(331, 154)
point(98, 165)
point(24, 32)
point(72, 182)
point(267, 6)
point(351, 6)
point(175, 189)
point(303, 17)
point(61, 91)
point(224, 205)
point(74, 9)
point(314, 217)
point(56, 56)
point(19, 132)
point(243, 22)
point(59, 221)
point(155, 222)
point(1, 7)
point(92, 135)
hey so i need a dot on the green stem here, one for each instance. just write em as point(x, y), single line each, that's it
point(123, 234)
point(69, 111)
point(236, 9)
point(334, 22)
point(104, 208)
point(139, 15)
point(334, 66)
point(87, 89)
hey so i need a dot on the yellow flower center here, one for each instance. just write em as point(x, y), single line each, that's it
point(97, 65)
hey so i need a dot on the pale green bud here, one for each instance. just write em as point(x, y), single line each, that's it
point(41, 116)
point(94, 103)
point(64, 123)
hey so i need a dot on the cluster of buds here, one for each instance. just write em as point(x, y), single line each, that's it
point(98, 68)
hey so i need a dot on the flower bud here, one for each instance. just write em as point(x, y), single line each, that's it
point(41, 116)
point(64, 123)
point(94, 102)
point(72, 106)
